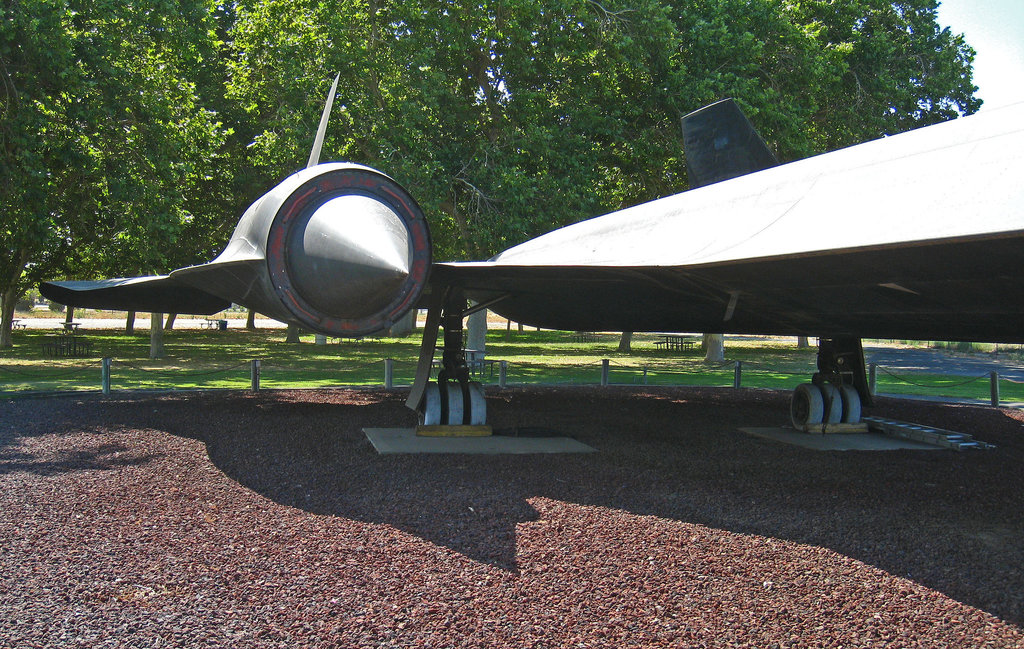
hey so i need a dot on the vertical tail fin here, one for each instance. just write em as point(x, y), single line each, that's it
point(318, 141)
point(720, 143)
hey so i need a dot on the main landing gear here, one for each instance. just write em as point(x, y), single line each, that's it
point(453, 400)
point(837, 391)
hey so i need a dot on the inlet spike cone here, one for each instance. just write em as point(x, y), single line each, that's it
point(350, 256)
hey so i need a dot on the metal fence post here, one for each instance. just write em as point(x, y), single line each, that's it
point(105, 375)
point(993, 378)
point(254, 374)
point(502, 374)
point(872, 374)
point(737, 374)
point(604, 372)
point(389, 373)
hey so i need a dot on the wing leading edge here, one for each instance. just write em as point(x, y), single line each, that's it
point(157, 293)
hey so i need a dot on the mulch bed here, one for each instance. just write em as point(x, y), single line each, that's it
point(231, 519)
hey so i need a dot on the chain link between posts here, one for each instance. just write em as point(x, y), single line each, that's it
point(935, 385)
point(644, 370)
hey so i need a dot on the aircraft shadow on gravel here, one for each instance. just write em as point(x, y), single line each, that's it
point(955, 514)
point(106, 457)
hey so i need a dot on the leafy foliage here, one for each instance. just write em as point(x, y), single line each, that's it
point(105, 146)
point(133, 134)
point(507, 119)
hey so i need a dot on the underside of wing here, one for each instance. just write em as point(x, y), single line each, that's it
point(239, 279)
point(158, 293)
point(955, 290)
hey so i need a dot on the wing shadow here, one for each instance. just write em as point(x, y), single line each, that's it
point(946, 520)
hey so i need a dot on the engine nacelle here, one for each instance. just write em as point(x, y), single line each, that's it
point(339, 248)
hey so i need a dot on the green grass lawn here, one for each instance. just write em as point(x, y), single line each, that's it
point(221, 359)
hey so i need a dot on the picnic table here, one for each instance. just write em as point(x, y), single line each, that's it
point(214, 323)
point(67, 345)
point(70, 327)
point(675, 342)
point(476, 361)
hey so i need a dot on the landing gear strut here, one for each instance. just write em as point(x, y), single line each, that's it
point(453, 400)
point(838, 389)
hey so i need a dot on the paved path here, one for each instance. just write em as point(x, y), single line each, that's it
point(939, 361)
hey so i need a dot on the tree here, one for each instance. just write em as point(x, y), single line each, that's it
point(714, 348)
point(507, 119)
point(893, 68)
point(103, 141)
point(156, 335)
point(625, 342)
point(504, 119)
point(476, 331)
point(124, 151)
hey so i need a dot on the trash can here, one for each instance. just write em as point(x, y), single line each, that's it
point(222, 325)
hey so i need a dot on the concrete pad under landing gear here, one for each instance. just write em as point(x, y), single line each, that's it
point(844, 442)
point(405, 440)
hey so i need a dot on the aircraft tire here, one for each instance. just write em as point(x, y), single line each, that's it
point(832, 401)
point(455, 405)
point(806, 406)
point(851, 404)
point(431, 413)
point(477, 405)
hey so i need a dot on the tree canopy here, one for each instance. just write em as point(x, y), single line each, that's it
point(134, 133)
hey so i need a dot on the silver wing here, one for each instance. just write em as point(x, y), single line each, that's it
point(919, 235)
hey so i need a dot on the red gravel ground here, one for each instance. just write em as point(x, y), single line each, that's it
point(238, 520)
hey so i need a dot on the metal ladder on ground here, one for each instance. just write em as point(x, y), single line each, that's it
point(927, 434)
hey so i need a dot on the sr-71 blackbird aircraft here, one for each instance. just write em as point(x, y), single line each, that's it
point(915, 236)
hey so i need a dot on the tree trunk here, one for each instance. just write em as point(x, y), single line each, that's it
point(7, 302)
point(129, 323)
point(156, 335)
point(626, 341)
point(802, 343)
point(293, 334)
point(11, 293)
point(169, 325)
point(404, 325)
point(476, 331)
point(714, 348)
point(69, 315)
point(250, 321)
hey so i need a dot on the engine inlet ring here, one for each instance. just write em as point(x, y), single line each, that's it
point(333, 182)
